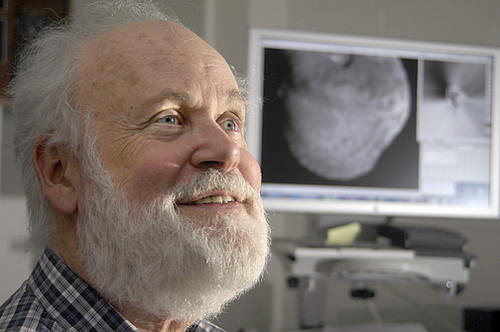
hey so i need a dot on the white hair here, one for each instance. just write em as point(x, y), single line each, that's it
point(42, 93)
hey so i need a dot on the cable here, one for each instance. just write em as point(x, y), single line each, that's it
point(372, 308)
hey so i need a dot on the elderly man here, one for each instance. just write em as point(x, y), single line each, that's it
point(130, 132)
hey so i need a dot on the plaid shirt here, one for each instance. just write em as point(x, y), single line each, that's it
point(56, 299)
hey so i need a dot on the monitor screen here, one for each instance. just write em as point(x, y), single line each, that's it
point(351, 125)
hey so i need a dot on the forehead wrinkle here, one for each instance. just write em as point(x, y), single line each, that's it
point(110, 67)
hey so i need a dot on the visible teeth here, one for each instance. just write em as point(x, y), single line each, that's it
point(214, 199)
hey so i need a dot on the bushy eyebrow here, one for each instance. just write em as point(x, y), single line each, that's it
point(234, 101)
point(233, 95)
point(165, 96)
point(175, 96)
point(236, 95)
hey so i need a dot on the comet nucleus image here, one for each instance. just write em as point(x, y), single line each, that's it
point(343, 110)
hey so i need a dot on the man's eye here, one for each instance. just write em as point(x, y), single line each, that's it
point(169, 119)
point(229, 125)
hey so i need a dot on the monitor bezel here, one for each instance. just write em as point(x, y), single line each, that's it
point(392, 209)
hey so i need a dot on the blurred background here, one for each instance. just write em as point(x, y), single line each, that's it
point(272, 306)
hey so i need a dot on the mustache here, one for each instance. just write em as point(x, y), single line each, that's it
point(213, 180)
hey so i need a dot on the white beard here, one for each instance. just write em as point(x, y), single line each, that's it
point(149, 258)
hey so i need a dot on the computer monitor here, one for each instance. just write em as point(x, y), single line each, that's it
point(368, 126)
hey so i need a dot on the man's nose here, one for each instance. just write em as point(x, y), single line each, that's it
point(215, 148)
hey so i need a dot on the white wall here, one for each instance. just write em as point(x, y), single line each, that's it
point(225, 23)
point(15, 263)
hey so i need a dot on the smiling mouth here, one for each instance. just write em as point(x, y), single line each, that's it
point(213, 200)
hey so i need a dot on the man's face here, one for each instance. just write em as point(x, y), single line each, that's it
point(170, 220)
point(167, 108)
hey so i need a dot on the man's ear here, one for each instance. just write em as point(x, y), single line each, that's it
point(57, 173)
